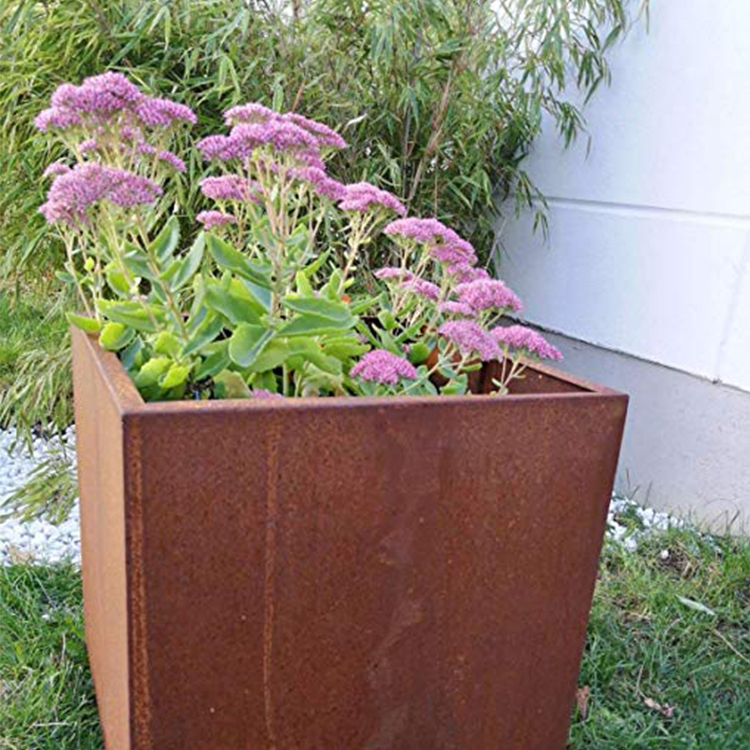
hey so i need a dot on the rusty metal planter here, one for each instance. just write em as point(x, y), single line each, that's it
point(340, 574)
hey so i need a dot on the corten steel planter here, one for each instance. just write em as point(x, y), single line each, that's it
point(340, 574)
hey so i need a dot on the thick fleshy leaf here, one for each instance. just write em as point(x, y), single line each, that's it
point(176, 375)
point(233, 260)
point(232, 384)
point(312, 325)
point(189, 265)
point(234, 308)
point(150, 373)
point(247, 342)
point(166, 241)
point(131, 314)
point(334, 310)
point(204, 334)
point(116, 336)
point(90, 325)
point(167, 343)
point(215, 362)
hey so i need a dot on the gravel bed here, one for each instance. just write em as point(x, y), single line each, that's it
point(43, 542)
point(35, 541)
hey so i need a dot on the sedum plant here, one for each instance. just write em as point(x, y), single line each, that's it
point(273, 297)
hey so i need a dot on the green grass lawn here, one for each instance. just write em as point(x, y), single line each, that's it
point(649, 653)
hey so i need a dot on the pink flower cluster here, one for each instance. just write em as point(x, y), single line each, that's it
point(230, 187)
point(520, 337)
point(422, 287)
point(211, 219)
point(255, 113)
point(381, 366)
point(99, 98)
point(487, 294)
point(323, 185)
point(390, 272)
point(362, 196)
point(445, 245)
point(470, 338)
point(74, 191)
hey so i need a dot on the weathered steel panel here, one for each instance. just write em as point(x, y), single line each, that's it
point(363, 574)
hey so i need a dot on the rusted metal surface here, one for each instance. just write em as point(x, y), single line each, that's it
point(342, 574)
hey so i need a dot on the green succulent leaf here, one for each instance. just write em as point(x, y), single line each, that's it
point(247, 342)
point(175, 375)
point(233, 307)
point(314, 325)
point(233, 260)
point(115, 336)
point(418, 353)
point(216, 361)
point(90, 325)
point(166, 241)
point(131, 314)
point(116, 280)
point(232, 384)
point(167, 343)
point(334, 310)
point(150, 373)
point(211, 326)
point(189, 265)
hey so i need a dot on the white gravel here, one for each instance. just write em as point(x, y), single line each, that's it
point(43, 542)
point(35, 541)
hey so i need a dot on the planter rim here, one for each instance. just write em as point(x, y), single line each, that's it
point(130, 400)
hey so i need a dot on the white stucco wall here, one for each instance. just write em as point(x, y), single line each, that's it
point(649, 249)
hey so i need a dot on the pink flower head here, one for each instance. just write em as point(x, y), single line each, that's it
point(464, 271)
point(445, 244)
point(456, 308)
point(73, 192)
point(457, 251)
point(487, 294)
point(310, 157)
point(155, 112)
point(280, 135)
point(470, 338)
point(422, 287)
point(90, 144)
point(56, 117)
point(264, 393)
point(211, 219)
point(171, 160)
point(427, 231)
point(56, 169)
point(323, 185)
point(229, 187)
point(390, 272)
point(362, 196)
point(324, 135)
point(520, 337)
point(249, 113)
point(216, 147)
point(381, 366)
point(100, 95)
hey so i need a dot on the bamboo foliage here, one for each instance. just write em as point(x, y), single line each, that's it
point(442, 97)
